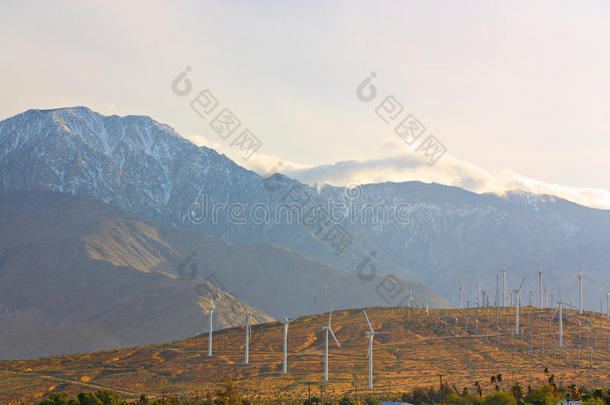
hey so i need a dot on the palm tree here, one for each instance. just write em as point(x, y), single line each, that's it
point(517, 390)
point(552, 382)
point(479, 389)
point(493, 380)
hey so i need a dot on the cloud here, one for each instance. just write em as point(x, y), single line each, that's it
point(396, 163)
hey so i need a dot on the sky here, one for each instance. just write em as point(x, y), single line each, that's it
point(518, 92)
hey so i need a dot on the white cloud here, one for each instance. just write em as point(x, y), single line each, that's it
point(396, 163)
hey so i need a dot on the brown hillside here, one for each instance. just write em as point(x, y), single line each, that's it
point(412, 353)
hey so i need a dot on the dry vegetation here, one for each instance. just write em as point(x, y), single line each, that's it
point(413, 353)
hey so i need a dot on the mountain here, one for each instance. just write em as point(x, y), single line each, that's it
point(413, 353)
point(438, 235)
point(77, 274)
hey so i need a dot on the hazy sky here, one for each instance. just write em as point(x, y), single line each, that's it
point(516, 91)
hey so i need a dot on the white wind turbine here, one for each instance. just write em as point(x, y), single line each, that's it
point(371, 334)
point(286, 322)
point(579, 277)
point(247, 343)
point(504, 298)
point(497, 292)
point(210, 329)
point(517, 299)
point(540, 272)
point(559, 311)
point(327, 329)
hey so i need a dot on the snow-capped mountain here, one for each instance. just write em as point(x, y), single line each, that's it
point(435, 234)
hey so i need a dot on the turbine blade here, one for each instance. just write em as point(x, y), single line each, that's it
point(330, 316)
point(369, 322)
point(522, 281)
point(334, 337)
point(554, 313)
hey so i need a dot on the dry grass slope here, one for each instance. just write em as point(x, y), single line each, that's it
point(413, 353)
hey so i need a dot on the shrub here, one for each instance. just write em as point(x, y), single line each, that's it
point(542, 396)
point(500, 398)
point(346, 400)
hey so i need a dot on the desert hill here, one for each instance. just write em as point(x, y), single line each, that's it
point(413, 353)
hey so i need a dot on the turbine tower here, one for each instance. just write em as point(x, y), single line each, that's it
point(517, 298)
point(579, 278)
point(371, 334)
point(580, 306)
point(560, 322)
point(210, 329)
point(327, 328)
point(540, 286)
point(504, 270)
point(247, 344)
point(497, 290)
point(608, 306)
point(285, 363)
point(479, 295)
point(460, 295)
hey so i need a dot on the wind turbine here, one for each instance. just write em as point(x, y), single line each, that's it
point(580, 275)
point(460, 294)
point(371, 334)
point(247, 344)
point(540, 272)
point(285, 364)
point(561, 322)
point(559, 310)
point(327, 328)
point(479, 295)
point(579, 278)
point(504, 270)
point(608, 306)
point(517, 297)
point(210, 329)
point(497, 291)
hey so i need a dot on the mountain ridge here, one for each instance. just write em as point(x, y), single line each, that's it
point(447, 233)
